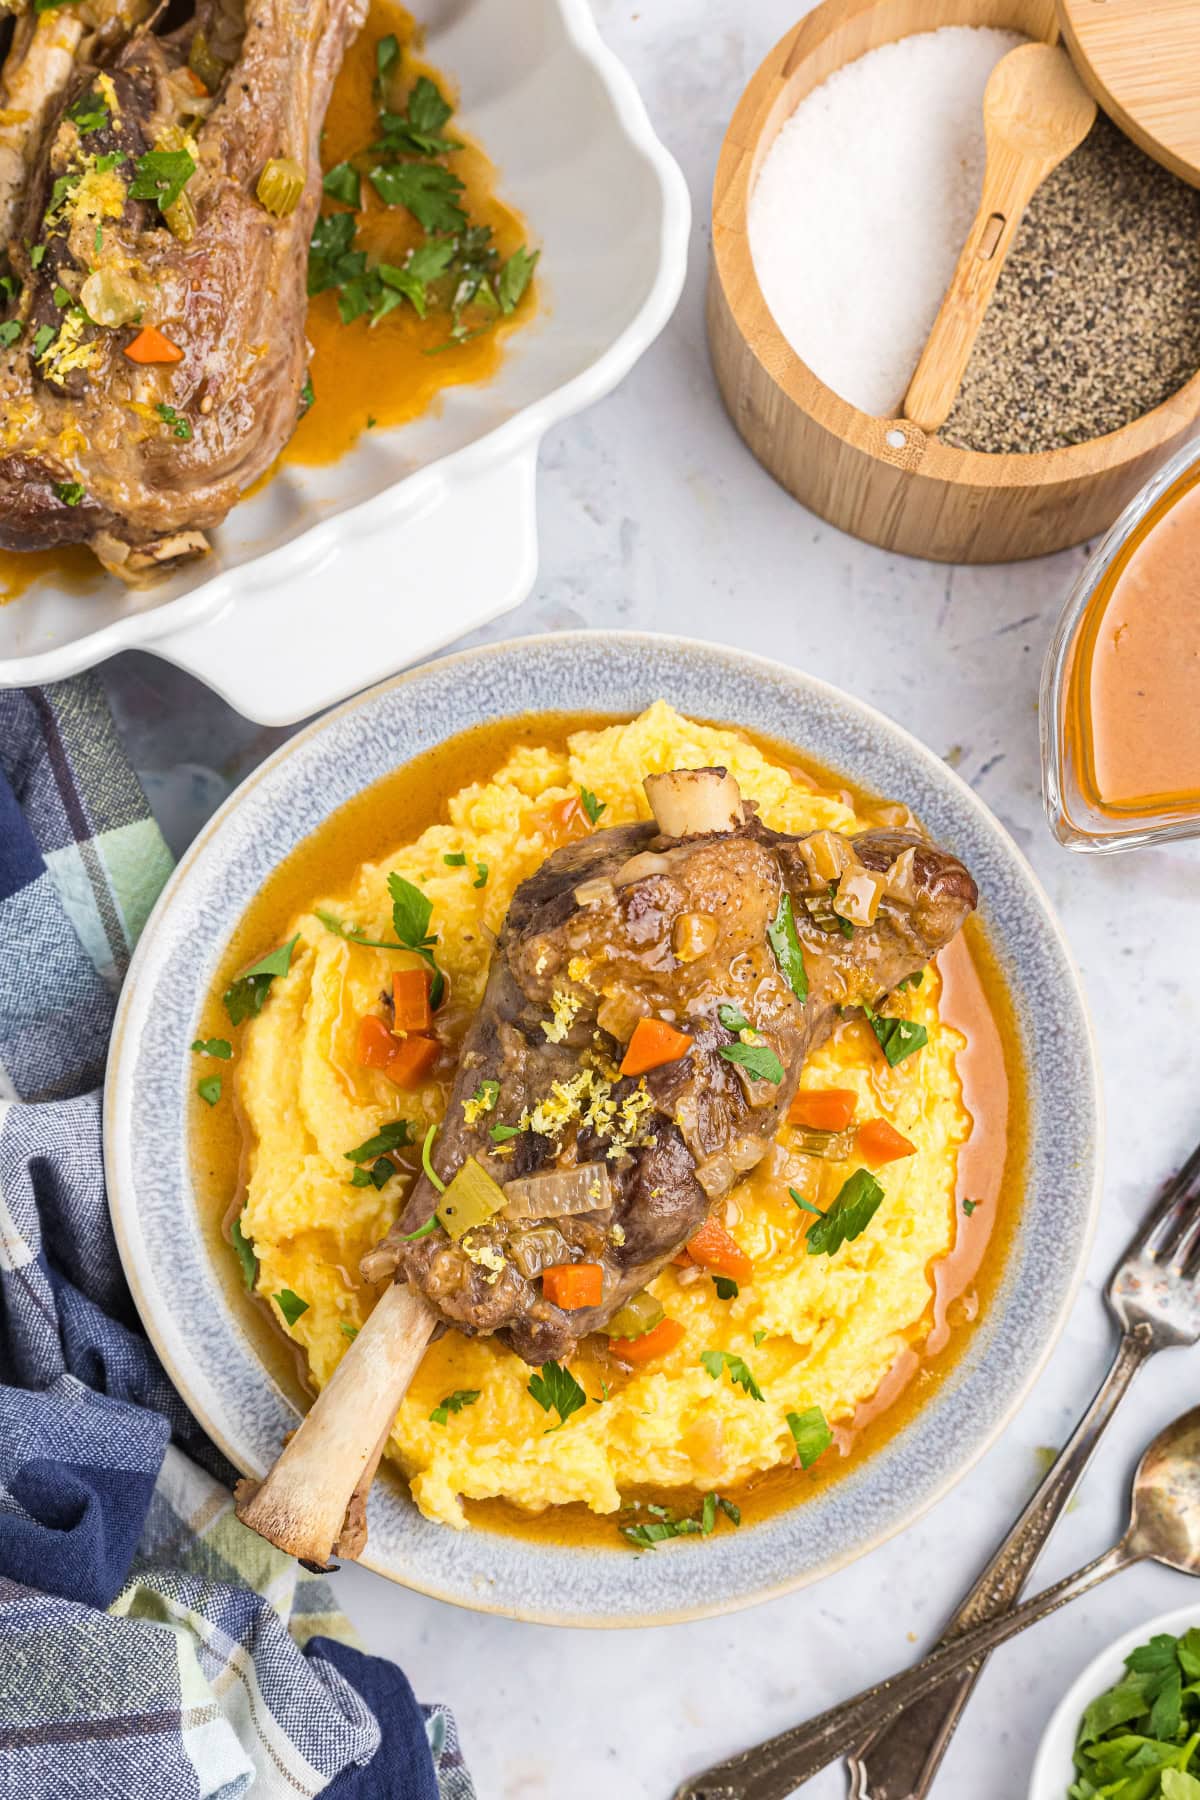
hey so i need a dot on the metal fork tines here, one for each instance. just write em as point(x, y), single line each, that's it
point(1158, 1282)
point(1155, 1296)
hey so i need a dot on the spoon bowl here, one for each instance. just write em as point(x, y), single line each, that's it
point(1165, 1522)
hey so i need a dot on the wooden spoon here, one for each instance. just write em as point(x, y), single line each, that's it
point(1035, 112)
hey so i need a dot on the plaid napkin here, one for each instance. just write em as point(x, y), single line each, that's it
point(150, 1646)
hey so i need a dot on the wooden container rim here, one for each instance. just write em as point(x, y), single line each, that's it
point(742, 150)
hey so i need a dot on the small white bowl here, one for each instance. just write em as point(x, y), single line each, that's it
point(1054, 1768)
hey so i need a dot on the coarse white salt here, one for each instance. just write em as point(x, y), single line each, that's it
point(864, 202)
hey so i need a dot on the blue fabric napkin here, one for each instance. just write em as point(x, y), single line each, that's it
point(150, 1646)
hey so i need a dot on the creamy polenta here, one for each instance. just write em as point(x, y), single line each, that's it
point(812, 1330)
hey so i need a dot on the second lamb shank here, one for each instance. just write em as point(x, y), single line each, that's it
point(652, 999)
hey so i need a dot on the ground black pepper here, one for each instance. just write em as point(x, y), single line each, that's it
point(1096, 317)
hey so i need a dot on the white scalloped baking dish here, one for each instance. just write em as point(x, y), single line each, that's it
point(333, 577)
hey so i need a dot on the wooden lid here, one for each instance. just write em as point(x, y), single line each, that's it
point(1140, 59)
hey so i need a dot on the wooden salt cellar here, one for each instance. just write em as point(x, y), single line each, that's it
point(886, 480)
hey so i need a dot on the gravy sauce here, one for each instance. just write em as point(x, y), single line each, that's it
point(1135, 704)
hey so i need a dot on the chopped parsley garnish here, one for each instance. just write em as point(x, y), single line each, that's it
point(70, 492)
point(664, 1524)
point(781, 935)
point(387, 55)
point(898, 1038)
point(307, 393)
point(454, 1403)
point(243, 999)
point(855, 1206)
point(556, 1390)
point(481, 875)
point(810, 1434)
point(759, 1338)
point(245, 1253)
point(732, 1019)
point(411, 913)
point(514, 277)
point(455, 859)
point(353, 934)
point(758, 1060)
point(427, 1160)
point(291, 1305)
point(161, 175)
point(805, 1205)
point(349, 1332)
point(209, 1089)
point(486, 1096)
point(10, 331)
point(37, 256)
point(739, 1372)
point(89, 113)
point(727, 1289)
point(911, 981)
point(591, 806)
point(43, 337)
point(500, 1134)
point(168, 415)
point(343, 183)
point(417, 130)
point(63, 297)
point(1137, 1739)
point(429, 191)
point(386, 1139)
point(377, 1176)
point(219, 1047)
point(969, 1206)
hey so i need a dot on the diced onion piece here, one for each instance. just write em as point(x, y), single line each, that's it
point(826, 855)
point(693, 802)
point(641, 867)
point(471, 1199)
point(693, 935)
point(858, 895)
point(280, 186)
point(560, 1193)
point(588, 893)
point(111, 298)
point(618, 1013)
point(638, 1315)
point(893, 815)
point(900, 881)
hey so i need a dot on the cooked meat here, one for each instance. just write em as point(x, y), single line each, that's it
point(631, 924)
point(139, 459)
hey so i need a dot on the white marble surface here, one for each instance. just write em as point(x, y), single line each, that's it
point(653, 515)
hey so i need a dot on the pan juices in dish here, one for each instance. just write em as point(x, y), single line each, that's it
point(774, 1343)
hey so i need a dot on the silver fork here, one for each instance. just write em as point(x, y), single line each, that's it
point(1155, 1296)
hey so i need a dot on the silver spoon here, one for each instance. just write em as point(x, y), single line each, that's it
point(1164, 1527)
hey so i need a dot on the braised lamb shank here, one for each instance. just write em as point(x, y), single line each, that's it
point(133, 150)
point(702, 918)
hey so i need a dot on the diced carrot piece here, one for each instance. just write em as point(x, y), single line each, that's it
point(683, 1261)
point(194, 82)
point(664, 1337)
point(150, 346)
point(376, 1045)
point(713, 1248)
point(412, 1060)
point(878, 1142)
point(572, 1285)
point(823, 1109)
point(410, 1001)
point(654, 1043)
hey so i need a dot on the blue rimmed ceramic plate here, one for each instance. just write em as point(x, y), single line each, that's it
point(205, 1344)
